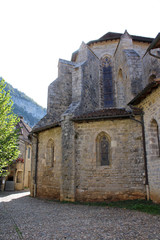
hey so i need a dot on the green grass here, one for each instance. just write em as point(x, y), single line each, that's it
point(138, 205)
point(18, 232)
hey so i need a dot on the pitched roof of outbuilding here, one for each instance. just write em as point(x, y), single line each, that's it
point(155, 44)
point(145, 92)
point(47, 122)
point(24, 129)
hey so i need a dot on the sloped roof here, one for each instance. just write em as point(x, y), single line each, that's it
point(145, 92)
point(155, 44)
point(47, 122)
point(109, 113)
point(24, 128)
point(114, 36)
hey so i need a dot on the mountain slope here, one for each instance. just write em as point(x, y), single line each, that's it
point(25, 106)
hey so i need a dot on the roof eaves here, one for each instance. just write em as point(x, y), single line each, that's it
point(155, 44)
point(100, 118)
point(43, 128)
point(147, 90)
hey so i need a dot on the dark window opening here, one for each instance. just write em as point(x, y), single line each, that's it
point(10, 178)
point(104, 151)
point(107, 86)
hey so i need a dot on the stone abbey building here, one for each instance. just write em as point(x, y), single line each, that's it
point(100, 138)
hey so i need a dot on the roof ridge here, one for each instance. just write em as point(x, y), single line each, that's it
point(113, 36)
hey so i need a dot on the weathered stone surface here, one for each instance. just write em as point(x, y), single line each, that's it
point(151, 108)
point(102, 75)
point(124, 177)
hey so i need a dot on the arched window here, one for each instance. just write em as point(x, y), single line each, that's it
point(103, 149)
point(107, 82)
point(50, 153)
point(154, 140)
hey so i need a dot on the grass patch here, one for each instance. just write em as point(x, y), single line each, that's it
point(138, 205)
point(18, 232)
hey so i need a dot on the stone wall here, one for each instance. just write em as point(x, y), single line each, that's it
point(27, 167)
point(19, 177)
point(151, 67)
point(89, 84)
point(151, 108)
point(68, 160)
point(60, 90)
point(49, 174)
point(128, 71)
point(104, 48)
point(124, 178)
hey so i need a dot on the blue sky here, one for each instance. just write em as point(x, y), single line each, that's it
point(34, 34)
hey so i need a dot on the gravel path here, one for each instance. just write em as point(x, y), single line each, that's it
point(23, 217)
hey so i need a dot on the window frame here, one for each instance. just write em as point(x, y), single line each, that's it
point(99, 161)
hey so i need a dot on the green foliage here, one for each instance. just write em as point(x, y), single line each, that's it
point(8, 132)
point(139, 205)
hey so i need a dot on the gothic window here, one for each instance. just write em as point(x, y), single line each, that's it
point(154, 140)
point(50, 153)
point(107, 82)
point(103, 149)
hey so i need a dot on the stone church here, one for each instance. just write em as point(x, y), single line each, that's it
point(99, 140)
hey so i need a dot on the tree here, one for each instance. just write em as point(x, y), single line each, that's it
point(8, 132)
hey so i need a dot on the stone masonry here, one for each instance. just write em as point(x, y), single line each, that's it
point(151, 108)
point(89, 146)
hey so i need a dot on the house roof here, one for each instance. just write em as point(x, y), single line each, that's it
point(47, 122)
point(145, 92)
point(114, 36)
point(24, 128)
point(46, 127)
point(109, 113)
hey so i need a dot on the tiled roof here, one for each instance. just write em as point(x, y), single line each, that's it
point(46, 127)
point(24, 128)
point(47, 122)
point(105, 114)
point(114, 36)
point(146, 91)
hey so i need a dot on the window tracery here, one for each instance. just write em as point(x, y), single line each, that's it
point(107, 82)
point(103, 150)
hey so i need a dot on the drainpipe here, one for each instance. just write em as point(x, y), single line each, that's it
point(144, 148)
